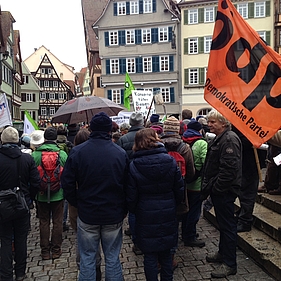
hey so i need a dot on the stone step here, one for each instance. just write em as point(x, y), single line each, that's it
point(262, 248)
point(272, 202)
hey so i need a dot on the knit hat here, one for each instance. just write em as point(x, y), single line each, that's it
point(158, 129)
point(50, 134)
point(154, 118)
point(171, 124)
point(10, 135)
point(136, 119)
point(195, 125)
point(101, 122)
point(37, 137)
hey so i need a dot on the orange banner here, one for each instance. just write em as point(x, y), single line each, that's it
point(243, 78)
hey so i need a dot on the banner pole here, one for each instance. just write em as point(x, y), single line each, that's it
point(258, 163)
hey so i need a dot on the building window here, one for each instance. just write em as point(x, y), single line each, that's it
point(61, 96)
point(29, 97)
point(193, 76)
point(259, 9)
point(163, 34)
point(131, 65)
point(130, 36)
point(46, 83)
point(243, 10)
point(147, 64)
point(55, 84)
point(116, 96)
point(193, 46)
point(204, 111)
point(207, 44)
point(114, 66)
point(262, 34)
point(121, 8)
point(165, 94)
point(209, 15)
point(51, 96)
point(52, 111)
point(42, 96)
point(146, 35)
point(113, 38)
point(25, 79)
point(193, 16)
point(50, 71)
point(147, 6)
point(42, 70)
point(43, 111)
point(134, 7)
point(164, 63)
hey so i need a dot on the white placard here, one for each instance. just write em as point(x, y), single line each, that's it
point(277, 159)
point(142, 102)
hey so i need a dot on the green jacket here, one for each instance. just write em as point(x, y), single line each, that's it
point(49, 146)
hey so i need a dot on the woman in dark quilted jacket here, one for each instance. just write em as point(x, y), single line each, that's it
point(155, 189)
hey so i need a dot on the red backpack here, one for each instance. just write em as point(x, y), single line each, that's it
point(50, 172)
point(179, 159)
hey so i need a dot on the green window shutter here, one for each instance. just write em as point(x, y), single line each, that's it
point(185, 46)
point(251, 12)
point(186, 76)
point(267, 37)
point(201, 15)
point(201, 75)
point(185, 17)
point(216, 10)
point(201, 45)
point(267, 8)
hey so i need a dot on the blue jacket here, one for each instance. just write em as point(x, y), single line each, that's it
point(99, 167)
point(155, 188)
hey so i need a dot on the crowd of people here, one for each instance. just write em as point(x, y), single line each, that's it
point(156, 173)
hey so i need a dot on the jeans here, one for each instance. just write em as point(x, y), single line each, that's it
point(224, 209)
point(46, 211)
point(150, 266)
point(89, 238)
point(19, 230)
point(190, 219)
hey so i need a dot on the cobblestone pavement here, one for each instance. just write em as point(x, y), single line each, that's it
point(191, 261)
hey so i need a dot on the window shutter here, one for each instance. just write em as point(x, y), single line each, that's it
point(201, 45)
point(201, 15)
point(23, 97)
point(106, 39)
point(56, 96)
point(33, 97)
point(267, 8)
point(115, 9)
point(107, 66)
point(154, 6)
point(121, 37)
point(26, 79)
point(127, 8)
point(267, 37)
point(185, 46)
point(251, 10)
point(139, 65)
point(186, 76)
point(141, 6)
point(170, 32)
point(201, 76)
point(138, 36)
point(171, 63)
point(122, 96)
point(172, 94)
point(154, 35)
point(155, 64)
point(185, 17)
point(109, 94)
point(216, 10)
point(122, 66)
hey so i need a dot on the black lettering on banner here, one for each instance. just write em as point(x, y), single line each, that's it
point(226, 33)
point(273, 72)
point(236, 50)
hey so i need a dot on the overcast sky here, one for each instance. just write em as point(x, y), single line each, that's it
point(56, 24)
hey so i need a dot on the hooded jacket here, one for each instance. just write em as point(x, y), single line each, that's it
point(155, 188)
point(30, 180)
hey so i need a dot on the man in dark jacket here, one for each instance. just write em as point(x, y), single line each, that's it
point(93, 180)
point(12, 174)
point(126, 142)
point(222, 176)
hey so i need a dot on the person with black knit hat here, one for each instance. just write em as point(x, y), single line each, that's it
point(93, 180)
